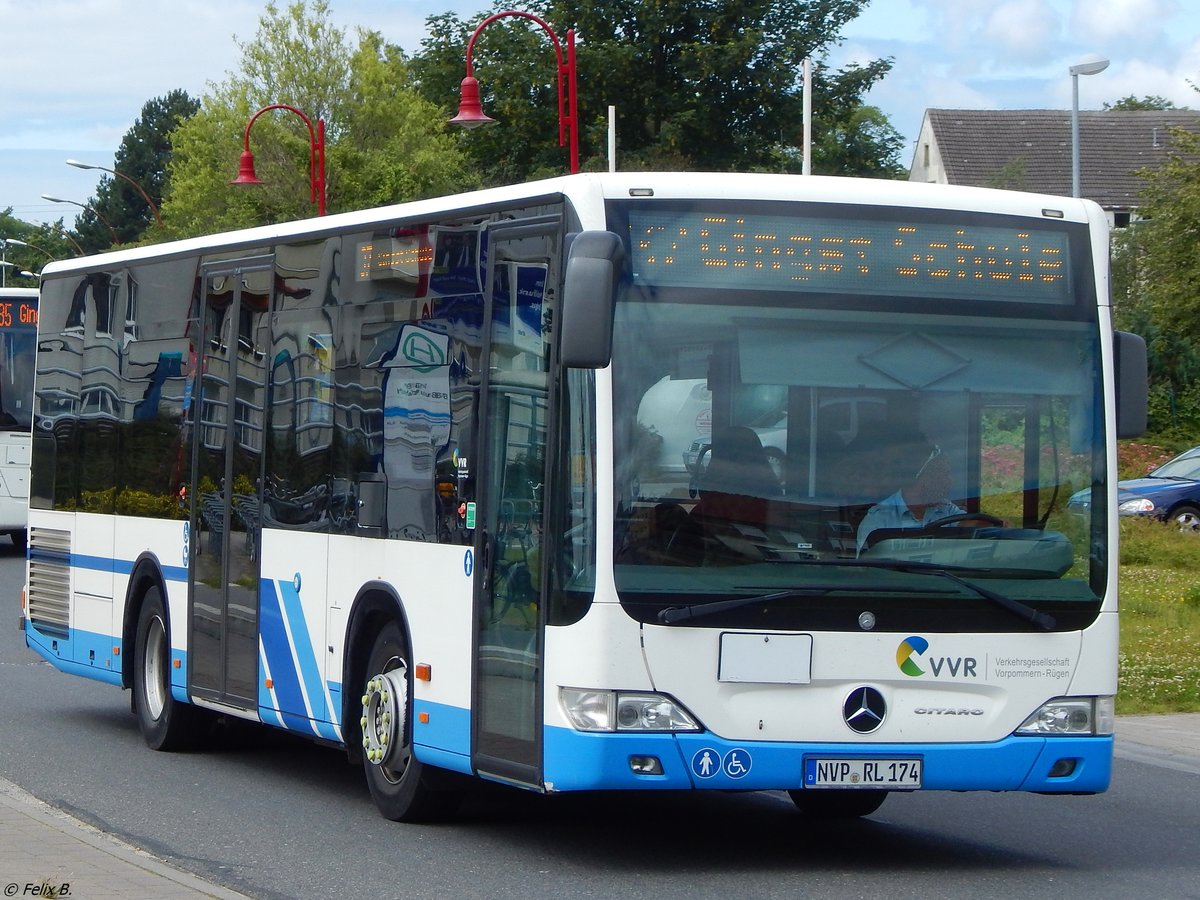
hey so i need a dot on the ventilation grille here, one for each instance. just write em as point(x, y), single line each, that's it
point(50, 580)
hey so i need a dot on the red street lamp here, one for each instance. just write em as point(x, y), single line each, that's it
point(316, 156)
point(470, 110)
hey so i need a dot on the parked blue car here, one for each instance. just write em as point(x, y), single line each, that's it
point(1171, 493)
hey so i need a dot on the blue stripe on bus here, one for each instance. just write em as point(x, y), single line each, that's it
point(111, 566)
point(305, 656)
point(585, 761)
point(278, 652)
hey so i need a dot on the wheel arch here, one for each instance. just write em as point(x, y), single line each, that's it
point(376, 604)
point(147, 573)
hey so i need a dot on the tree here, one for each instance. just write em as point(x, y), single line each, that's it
point(1133, 104)
point(1155, 273)
point(713, 85)
point(143, 156)
point(384, 142)
point(39, 245)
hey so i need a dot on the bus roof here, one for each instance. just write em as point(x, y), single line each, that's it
point(599, 187)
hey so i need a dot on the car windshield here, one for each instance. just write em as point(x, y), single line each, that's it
point(1185, 466)
point(766, 441)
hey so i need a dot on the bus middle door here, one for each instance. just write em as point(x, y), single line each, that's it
point(226, 479)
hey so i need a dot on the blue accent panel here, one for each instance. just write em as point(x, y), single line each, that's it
point(278, 652)
point(98, 645)
point(1093, 765)
point(179, 676)
point(265, 700)
point(269, 716)
point(335, 697)
point(583, 761)
point(60, 657)
point(327, 731)
point(448, 730)
point(299, 723)
point(305, 654)
point(443, 759)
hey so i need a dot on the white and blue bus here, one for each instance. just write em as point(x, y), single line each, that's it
point(18, 345)
point(478, 487)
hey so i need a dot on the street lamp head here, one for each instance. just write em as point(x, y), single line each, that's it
point(82, 165)
point(246, 170)
point(58, 200)
point(1092, 64)
point(470, 110)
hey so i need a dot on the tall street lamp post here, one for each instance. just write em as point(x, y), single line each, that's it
point(316, 156)
point(1089, 65)
point(5, 265)
point(137, 187)
point(99, 216)
point(470, 110)
point(41, 250)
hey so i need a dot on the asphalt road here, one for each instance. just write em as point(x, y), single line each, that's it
point(272, 816)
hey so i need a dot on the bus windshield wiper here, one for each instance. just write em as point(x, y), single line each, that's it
point(672, 614)
point(1044, 621)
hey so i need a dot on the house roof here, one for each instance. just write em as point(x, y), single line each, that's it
point(1030, 149)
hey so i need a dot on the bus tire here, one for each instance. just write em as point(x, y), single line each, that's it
point(165, 723)
point(20, 539)
point(404, 789)
point(835, 804)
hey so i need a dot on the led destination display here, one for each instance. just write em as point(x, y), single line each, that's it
point(851, 256)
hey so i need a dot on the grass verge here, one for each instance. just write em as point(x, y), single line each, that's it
point(1160, 619)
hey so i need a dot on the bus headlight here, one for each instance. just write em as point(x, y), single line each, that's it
point(1072, 716)
point(621, 711)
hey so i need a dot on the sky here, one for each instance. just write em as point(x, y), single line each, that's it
point(74, 75)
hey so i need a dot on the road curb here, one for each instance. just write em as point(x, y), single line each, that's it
point(49, 849)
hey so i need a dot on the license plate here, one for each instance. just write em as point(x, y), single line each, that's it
point(896, 774)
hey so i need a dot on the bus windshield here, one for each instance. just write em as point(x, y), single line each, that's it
point(823, 409)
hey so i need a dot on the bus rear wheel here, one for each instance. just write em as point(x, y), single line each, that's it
point(835, 804)
point(402, 787)
point(165, 723)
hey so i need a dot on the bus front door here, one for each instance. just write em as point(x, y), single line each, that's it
point(508, 648)
point(226, 473)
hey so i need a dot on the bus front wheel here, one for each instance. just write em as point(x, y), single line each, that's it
point(402, 787)
point(165, 723)
point(835, 804)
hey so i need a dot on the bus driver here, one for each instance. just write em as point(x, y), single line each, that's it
point(922, 500)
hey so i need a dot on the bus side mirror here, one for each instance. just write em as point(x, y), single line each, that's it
point(593, 268)
point(1131, 383)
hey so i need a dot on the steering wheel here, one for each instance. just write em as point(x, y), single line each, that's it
point(964, 517)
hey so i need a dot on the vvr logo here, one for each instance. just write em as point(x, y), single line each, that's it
point(914, 646)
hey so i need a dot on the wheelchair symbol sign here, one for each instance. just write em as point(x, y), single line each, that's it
point(736, 763)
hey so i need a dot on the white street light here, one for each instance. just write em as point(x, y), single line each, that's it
point(1091, 64)
point(95, 211)
point(136, 186)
